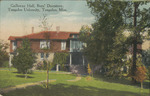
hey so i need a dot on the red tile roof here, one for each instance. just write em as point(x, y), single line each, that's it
point(41, 35)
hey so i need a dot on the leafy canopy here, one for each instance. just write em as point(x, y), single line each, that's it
point(3, 53)
point(24, 58)
point(106, 44)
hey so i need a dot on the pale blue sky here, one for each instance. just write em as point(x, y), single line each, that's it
point(20, 23)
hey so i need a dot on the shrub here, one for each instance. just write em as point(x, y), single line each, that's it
point(5, 64)
point(89, 69)
point(88, 78)
point(24, 58)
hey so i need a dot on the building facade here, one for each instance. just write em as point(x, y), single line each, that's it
point(55, 41)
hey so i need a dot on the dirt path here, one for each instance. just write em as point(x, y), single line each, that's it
point(5, 90)
point(74, 80)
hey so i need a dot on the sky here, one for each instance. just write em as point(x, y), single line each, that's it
point(18, 17)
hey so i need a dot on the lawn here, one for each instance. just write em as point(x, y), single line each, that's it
point(12, 78)
point(94, 87)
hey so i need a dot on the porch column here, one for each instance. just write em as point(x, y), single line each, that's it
point(83, 60)
point(70, 59)
point(10, 57)
point(57, 67)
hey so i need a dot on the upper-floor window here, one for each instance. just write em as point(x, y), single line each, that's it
point(76, 45)
point(75, 36)
point(63, 45)
point(44, 44)
point(14, 45)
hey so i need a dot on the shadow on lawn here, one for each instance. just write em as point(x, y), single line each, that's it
point(122, 80)
point(23, 76)
point(16, 72)
point(69, 90)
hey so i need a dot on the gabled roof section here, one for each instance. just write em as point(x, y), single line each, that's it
point(61, 35)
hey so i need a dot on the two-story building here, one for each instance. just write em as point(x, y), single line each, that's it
point(58, 41)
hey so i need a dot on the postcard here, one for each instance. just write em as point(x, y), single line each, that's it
point(74, 48)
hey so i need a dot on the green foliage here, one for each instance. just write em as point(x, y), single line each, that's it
point(85, 32)
point(24, 58)
point(107, 44)
point(60, 58)
point(148, 72)
point(146, 61)
point(146, 57)
point(88, 78)
point(105, 30)
point(139, 63)
point(117, 56)
point(42, 65)
point(3, 53)
point(6, 64)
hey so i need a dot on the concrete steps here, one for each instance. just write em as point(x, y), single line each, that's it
point(78, 69)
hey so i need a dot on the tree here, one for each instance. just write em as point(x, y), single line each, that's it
point(3, 53)
point(60, 58)
point(110, 16)
point(45, 27)
point(117, 57)
point(105, 31)
point(146, 62)
point(24, 58)
point(140, 75)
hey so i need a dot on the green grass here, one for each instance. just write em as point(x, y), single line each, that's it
point(96, 87)
point(12, 78)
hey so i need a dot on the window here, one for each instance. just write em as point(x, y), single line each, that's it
point(76, 45)
point(44, 45)
point(63, 45)
point(75, 36)
point(47, 55)
point(14, 45)
point(42, 56)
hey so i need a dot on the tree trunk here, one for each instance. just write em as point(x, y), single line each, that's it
point(133, 70)
point(141, 90)
point(26, 75)
point(141, 85)
point(47, 76)
point(134, 59)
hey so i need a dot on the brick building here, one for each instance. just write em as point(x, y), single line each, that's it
point(58, 41)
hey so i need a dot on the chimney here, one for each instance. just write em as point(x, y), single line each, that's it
point(32, 29)
point(57, 29)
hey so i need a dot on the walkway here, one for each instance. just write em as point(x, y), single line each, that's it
point(74, 80)
point(5, 90)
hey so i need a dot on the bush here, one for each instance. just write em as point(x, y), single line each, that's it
point(5, 64)
point(41, 65)
point(88, 78)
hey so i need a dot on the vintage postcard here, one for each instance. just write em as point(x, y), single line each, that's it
point(74, 48)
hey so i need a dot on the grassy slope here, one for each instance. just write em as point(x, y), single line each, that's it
point(12, 78)
point(61, 87)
